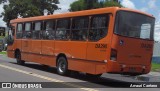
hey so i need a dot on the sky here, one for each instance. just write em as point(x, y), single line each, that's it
point(149, 6)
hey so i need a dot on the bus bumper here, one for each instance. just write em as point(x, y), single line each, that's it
point(128, 69)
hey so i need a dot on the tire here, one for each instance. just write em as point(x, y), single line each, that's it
point(18, 58)
point(94, 76)
point(62, 66)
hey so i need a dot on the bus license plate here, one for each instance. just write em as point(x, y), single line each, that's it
point(132, 69)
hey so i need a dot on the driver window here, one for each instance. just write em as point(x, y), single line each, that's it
point(19, 31)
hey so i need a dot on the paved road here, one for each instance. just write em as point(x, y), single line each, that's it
point(31, 72)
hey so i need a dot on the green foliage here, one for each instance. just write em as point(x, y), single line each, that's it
point(27, 8)
point(155, 67)
point(3, 53)
point(78, 5)
point(112, 4)
point(92, 4)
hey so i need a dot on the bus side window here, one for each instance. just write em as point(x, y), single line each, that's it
point(37, 27)
point(27, 30)
point(19, 31)
point(49, 30)
point(99, 27)
point(79, 28)
point(63, 29)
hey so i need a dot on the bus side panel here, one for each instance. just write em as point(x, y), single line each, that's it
point(26, 49)
point(35, 50)
point(18, 44)
point(48, 60)
point(48, 56)
point(72, 49)
point(97, 51)
point(10, 54)
point(75, 52)
point(24, 56)
point(87, 66)
point(82, 66)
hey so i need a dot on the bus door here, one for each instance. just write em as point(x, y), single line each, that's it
point(48, 43)
point(10, 41)
point(26, 41)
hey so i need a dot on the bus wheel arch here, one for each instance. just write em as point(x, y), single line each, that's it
point(18, 57)
point(62, 64)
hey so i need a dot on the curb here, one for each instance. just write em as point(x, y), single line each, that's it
point(154, 73)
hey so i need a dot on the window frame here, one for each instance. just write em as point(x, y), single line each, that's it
point(108, 15)
point(69, 26)
point(87, 29)
point(40, 31)
point(53, 28)
point(24, 26)
point(116, 20)
point(19, 31)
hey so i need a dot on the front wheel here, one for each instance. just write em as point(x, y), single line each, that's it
point(18, 58)
point(62, 66)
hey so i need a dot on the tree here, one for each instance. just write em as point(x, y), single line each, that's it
point(112, 4)
point(27, 8)
point(78, 5)
point(93, 4)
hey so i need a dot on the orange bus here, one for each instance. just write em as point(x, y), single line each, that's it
point(105, 40)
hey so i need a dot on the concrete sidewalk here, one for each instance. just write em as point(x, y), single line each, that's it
point(150, 77)
point(154, 73)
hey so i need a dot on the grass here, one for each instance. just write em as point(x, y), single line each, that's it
point(155, 67)
point(3, 53)
point(1, 37)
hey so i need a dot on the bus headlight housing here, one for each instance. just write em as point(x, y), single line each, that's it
point(113, 55)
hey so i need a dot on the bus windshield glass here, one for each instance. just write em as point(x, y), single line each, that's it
point(134, 25)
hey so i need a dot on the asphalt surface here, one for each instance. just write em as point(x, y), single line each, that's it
point(32, 72)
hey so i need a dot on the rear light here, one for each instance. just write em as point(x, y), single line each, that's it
point(113, 55)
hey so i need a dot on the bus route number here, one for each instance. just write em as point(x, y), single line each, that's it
point(101, 46)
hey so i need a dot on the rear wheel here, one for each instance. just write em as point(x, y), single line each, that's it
point(18, 58)
point(62, 66)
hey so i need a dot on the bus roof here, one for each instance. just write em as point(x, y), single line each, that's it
point(77, 13)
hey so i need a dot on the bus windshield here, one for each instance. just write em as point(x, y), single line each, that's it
point(134, 25)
